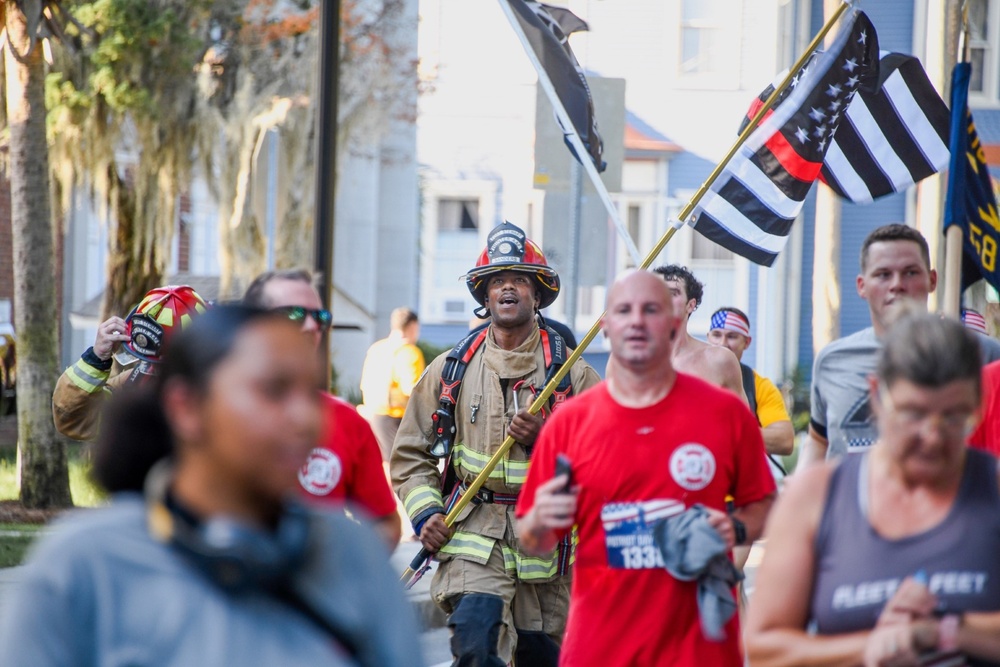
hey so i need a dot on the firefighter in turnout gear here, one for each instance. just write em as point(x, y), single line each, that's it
point(81, 390)
point(504, 606)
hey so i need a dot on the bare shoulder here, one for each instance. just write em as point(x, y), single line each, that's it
point(717, 365)
point(700, 359)
point(722, 358)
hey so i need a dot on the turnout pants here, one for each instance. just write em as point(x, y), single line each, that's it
point(536, 611)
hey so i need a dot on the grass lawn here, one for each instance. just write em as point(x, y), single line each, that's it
point(16, 537)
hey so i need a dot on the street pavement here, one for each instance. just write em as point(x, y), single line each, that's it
point(435, 637)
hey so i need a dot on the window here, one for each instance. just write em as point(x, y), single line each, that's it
point(984, 52)
point(793, 31)
point(700, 36)
point(634, 219)
point(710, 42)
point(979, 46)
point(458, 214)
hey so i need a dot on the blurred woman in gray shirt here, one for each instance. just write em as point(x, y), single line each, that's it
point(204, 557)
point(889, 557)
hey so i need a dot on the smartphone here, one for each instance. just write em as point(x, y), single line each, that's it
point(563, 467)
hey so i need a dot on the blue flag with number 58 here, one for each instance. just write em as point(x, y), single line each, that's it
point(970, 203)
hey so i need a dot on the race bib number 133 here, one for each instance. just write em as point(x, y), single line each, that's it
point(628, 532)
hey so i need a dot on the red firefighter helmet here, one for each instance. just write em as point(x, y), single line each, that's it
point(509, 249)
point(161, 312)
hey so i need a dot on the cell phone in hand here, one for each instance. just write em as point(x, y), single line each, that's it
point(563, 467)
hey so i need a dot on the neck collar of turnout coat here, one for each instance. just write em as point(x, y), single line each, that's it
point(516, 363)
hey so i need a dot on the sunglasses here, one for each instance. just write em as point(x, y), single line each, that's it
point(322, 317)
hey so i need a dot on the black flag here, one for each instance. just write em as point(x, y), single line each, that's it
point(547, 29)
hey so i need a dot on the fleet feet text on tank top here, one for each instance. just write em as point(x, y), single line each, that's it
point(857, 570)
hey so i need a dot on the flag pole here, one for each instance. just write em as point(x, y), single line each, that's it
point(752, 125)
point(412, 572)
point(581, 151)
point(952, 301)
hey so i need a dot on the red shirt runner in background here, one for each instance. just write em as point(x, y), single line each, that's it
point(347, 466)
point(987, 434)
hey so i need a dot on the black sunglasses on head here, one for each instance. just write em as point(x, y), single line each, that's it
point(322, 317)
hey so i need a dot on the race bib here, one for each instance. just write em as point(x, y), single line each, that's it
point(628, 532)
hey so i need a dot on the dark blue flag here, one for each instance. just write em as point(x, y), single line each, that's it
point(970, 203)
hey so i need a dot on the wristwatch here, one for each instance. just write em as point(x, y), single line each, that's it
point(948, 632)
point(740, 529)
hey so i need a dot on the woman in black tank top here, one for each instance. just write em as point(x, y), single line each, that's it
point(891, 557)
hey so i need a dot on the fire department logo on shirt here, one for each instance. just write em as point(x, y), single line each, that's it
point(321, 473)
point(692, 466)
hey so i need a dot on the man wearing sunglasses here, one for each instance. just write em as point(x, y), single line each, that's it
point(346, 466)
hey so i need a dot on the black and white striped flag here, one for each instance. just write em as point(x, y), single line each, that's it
point(893, 137)
point(751, 206)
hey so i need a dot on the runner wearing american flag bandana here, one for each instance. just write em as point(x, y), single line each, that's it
point(728, 320)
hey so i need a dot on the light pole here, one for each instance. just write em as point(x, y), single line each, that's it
point(326, 160)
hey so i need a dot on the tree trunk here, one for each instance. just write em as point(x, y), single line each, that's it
point(243, 246)
point(44, 474)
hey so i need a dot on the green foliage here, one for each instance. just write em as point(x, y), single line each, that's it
point(800, 398)
point(353, 396)
point(126, 76)
point(14, 542)
point(15, 538)
point(431, 351)
point(799, 412)
point(132, 53)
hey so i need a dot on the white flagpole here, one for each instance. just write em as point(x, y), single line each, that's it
point(567, 124)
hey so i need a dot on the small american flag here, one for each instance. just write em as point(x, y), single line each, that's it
point(974, 321)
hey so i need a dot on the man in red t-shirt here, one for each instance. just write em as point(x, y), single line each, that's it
point(644, 445)
point(348, 464)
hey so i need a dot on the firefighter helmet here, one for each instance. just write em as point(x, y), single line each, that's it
point(509, 249)
point(161, 312)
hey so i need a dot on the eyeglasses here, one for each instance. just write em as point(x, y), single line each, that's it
point(321, 316)
point(914, 419)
